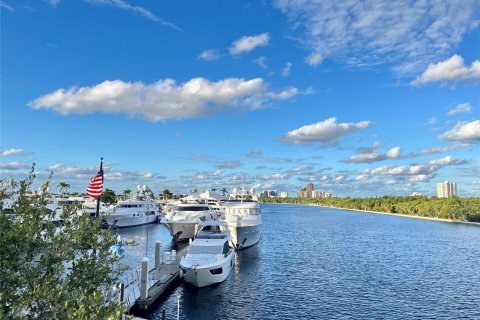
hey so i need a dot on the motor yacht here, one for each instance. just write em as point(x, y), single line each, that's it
point(210, 258)
point(136, 211)
point(182, 220)
point(244, 220)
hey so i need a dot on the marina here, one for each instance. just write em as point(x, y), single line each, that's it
point(333, 263)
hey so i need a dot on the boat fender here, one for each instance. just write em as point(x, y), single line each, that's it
point(181, 274)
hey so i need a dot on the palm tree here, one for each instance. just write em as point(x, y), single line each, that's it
point(224, 191)
point(166, 193)
point(126, 193)
point(214, 189)
point(63, 186)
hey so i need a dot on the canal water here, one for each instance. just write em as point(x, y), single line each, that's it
point(323, 263)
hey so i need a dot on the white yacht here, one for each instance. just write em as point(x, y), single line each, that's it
point(209, 259)
point(244, 220)
point(183, 219)
point(135, 211)
point(215, 201)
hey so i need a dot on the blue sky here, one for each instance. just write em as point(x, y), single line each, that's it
point(361, 98)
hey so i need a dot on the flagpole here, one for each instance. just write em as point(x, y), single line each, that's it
point(98, 199)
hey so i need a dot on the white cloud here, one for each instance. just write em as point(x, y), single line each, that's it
point(414, 172)
point(133, 9)
point(463, 132)
point(11, 152)
point(209, 55)
point(248, 43)
point(6, 6)
point(13, 166)
point(314, 59)
point(407, 34)
point(229, 164)
point(370, 155)
point(450, 70)
point(164, 99)
point(261, 62)
point(460, 108)
point(394, 153)
point(53, 3)
point(286, 70)
point(275, 176)
point(327, 132)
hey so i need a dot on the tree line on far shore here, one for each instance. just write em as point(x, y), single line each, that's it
point(464, 209)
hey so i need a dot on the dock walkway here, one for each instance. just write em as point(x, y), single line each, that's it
point(158, 281)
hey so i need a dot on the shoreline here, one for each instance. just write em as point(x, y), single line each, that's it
point(477, 224)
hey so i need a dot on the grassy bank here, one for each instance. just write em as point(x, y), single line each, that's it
point(463, 209)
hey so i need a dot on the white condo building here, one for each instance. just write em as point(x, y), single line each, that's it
point(283, 194)
point(446, 189)
point(321, 194)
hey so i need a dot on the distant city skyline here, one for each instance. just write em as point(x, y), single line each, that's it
point(360, 98)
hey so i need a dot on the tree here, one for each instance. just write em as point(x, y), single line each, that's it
point(53, 273)
point(126, 193)
point(62, 187)
point(166, 194)
point(108, 196)
point(214, 189)
point(224, 191)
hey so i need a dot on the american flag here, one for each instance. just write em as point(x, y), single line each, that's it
point(95, 186)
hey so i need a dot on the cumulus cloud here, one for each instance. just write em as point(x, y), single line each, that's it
point(370, 155)
point(60, 168)
point(286, 70)
point(460, 108)
point(450, 70)
point(133, 9)
point(247, 43)
point(327, 132)
point(314, 59)
point(468, 132)
point(407, 34)
point(11, 152)
point(209, 55)
point(275, 176)
point(13, 166)
point(414, 173)
point(164, 99)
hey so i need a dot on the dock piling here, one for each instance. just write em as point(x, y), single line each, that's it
point(158, 254)
point(144, 279)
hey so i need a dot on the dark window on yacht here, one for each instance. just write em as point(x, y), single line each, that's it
point(226, 247)
point(216, 271)
point(192, 208)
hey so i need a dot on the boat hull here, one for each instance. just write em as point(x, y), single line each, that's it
point(203, 276)
point(244, 236)
point(180, 231)
point(120, 221)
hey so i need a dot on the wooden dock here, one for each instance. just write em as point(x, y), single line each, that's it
point(153, 284)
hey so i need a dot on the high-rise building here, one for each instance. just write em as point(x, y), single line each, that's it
point(283, 194)
point(446, 189)
point(321, 194)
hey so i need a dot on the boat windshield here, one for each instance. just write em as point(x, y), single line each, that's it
point(205, 249)
point(193, 208)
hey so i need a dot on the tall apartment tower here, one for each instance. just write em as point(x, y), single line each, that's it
point(446, 189)
point(310, 190)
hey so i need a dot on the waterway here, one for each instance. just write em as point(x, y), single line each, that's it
point(322, 263)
